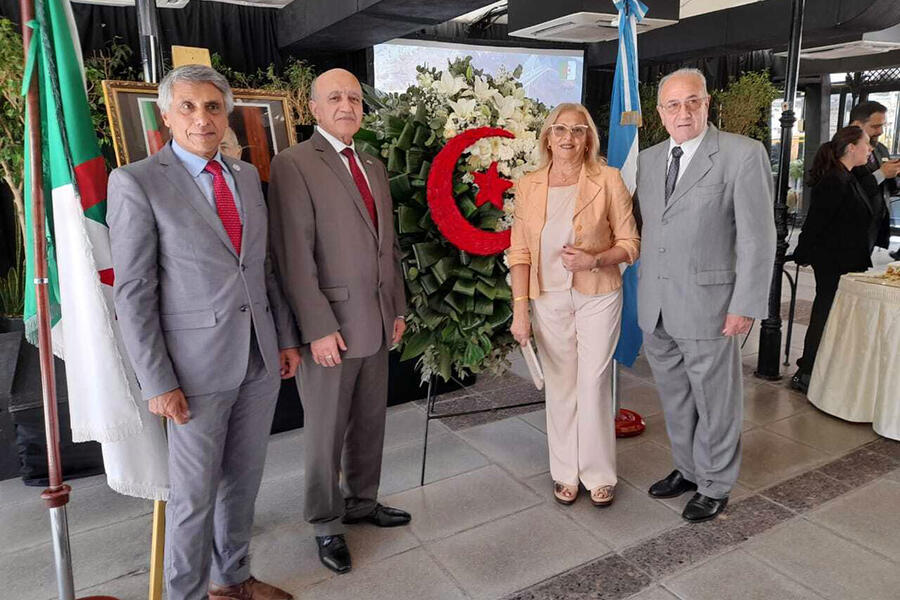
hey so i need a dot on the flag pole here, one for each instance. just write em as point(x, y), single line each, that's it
point(56, 496)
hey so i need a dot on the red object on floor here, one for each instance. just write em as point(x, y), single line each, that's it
point(629, 423)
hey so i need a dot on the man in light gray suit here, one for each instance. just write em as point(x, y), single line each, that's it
point(705, 198)
point(203, 320)
point(332, 231)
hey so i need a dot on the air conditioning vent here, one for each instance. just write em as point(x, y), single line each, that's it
point(584, 27)
point(846, 50)
point(159, 3)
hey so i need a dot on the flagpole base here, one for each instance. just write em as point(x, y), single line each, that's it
point(629, 423)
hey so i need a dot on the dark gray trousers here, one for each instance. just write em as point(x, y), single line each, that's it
point(700, 388)
point(343, 412)
point(215, 468)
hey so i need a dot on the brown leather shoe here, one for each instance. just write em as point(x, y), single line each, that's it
point(250, 589)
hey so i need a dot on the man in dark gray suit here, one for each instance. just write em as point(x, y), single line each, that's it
point(332, 230)
point(709, 243)
point(202, 319)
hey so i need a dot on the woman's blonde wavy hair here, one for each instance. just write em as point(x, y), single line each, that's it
point(592, 156)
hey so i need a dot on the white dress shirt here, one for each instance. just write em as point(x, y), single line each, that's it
point(339, 147)
point(689, 148)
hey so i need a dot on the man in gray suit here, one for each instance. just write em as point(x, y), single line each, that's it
point(202, 319)
point(709, 239)
point(332, 231)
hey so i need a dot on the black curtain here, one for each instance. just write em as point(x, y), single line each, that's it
point(244, 36)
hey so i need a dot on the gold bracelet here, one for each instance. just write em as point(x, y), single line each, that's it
point(517, 298)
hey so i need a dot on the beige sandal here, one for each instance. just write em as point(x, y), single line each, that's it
point(603, 495)
point(565, 494)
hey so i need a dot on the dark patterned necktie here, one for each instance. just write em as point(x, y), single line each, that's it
point(360, 180)
point(672, 173)
point(225, 205)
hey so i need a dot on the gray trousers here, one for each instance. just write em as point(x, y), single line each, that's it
point(343, 413)
point(700, 388)
point(215, 468)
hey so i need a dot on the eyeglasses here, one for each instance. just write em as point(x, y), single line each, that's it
point(578, 131)
point(692, 104)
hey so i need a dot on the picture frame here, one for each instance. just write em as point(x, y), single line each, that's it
point(261, 122)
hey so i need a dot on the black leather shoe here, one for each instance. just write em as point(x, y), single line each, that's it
point(382, 516)
point(895, 254)
point(673, 485)
point(703, 508)
point(800, 382)
point(333, 552)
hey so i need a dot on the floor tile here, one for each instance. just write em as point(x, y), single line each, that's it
point(127, 587)
point(452, 505)
point(448, 455)
point(860, 466)
point(405, 424)
point(767, 403)
point(284, 456)
point(28, 524)
point(738, 492)
point(893, 475)
point(279, 503)
point(653, 593)
point(490, 406)
point(768, 458)
point(887, 447)
point(806, 491)
point(608, 578)
point(101, 555)
point(643, 464)
point(13, 491)
point(642, 398)
point(737, 575)
point(515, 445)
point(634, 515)
point(826, 563)
point(410, 575)
point(515, 552)
point(655, 431)
point(869, 516)
point(824, 432)
point(537, 419)
point(641, 368)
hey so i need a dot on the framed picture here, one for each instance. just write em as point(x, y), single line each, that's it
point(260, 126)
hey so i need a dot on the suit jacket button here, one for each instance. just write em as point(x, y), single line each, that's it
point(243, 267)
point(578, 229)
point(244, 308)
point(662, 250)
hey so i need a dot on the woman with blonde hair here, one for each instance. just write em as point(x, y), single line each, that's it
point(573, 227)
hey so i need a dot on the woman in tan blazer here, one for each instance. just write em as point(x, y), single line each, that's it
point(573, 227)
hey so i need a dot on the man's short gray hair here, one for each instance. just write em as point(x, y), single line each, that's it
point(685, 71)
point(193, 74)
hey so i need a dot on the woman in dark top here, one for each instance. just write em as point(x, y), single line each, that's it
point(837, 236)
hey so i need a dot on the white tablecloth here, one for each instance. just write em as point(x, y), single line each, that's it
point(857, 372)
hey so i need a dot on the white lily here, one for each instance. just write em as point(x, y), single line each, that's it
point(448, 85)
point(483, 90)
point(464, 107)
point(507, 105)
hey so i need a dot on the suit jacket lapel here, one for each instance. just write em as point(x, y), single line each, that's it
point(336, 164)
point(247, 191)
point(588, 187)
point(383, 204)
point(699, 166)
point(182, 180)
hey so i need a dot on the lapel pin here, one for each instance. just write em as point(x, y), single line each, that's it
point(236, 167)
point(368, 162)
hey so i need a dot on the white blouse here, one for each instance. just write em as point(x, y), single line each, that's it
point(557, 232)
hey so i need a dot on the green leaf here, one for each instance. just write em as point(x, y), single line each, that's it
point(364, 146)
point(484, 306)
point(460, 187)
point(366, 135)
point(424, 170)
point(463, 272)
point(396, 160)
point(502, 292)
point(442, 268)
point(502, 313)
point(421, 114)
point(483, 264)
point(420, 197)
point(428, 253)
point(473, 355)
point(486, 291)
point(417, 344)
point(399, 185)
point(470, 321)
point(421, 136)
point(517, 72)
point(393, 126)
point(455, 301)
point(464, 286)
point(429, 283)
point(414, 158)
point(414, 286)
point(431, 318)
point(408, 219)
point(445, 363)
point(406, 136)
point(467, 207)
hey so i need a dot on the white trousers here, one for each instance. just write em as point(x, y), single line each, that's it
point(576, 337)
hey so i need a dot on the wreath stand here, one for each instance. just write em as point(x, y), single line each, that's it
point(628, 423)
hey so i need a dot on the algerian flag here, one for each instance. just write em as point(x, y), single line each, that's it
point(103, 394)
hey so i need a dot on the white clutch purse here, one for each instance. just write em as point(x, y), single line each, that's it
point(534, 367)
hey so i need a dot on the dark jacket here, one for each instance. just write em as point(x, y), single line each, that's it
point(835, 234)
point(877, 194)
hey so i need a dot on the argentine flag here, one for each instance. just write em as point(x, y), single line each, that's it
point(624, 120)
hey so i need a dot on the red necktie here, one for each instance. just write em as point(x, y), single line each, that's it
point(225, 205)
point(361, 185)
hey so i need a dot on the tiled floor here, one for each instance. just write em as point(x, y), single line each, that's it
point(814, 515)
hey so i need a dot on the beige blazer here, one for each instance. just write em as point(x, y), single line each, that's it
point(603, 219)
point(337, 271)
